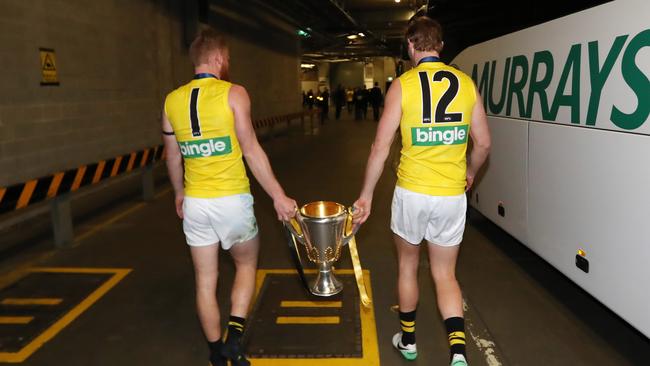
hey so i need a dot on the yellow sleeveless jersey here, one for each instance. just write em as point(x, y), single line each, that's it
point(437, 105)
point(204, 126)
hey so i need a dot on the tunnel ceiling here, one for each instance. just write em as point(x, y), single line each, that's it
point(326, 24)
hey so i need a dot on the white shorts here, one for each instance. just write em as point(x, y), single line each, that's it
point(229, 220)
point(438, 219)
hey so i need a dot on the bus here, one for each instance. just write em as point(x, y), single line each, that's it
point(569, 171)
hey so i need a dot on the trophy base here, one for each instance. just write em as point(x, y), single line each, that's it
point(325, 284)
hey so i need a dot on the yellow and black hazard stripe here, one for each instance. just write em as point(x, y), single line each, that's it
point(36, 190)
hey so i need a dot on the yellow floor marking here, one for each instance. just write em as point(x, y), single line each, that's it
point(16, 319)
point(54, 329)
point(307, 320)
point(311, 304)
point(368, 329)
point(28, 301)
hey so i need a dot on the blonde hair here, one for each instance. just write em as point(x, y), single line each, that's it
point(207, 41)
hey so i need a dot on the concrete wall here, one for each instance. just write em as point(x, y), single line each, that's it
point(271, 77)
point(116, 61)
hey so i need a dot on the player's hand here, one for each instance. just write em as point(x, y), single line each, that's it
point(470, 181)
point(361, 210)
point(285, 207)
point(178, 200)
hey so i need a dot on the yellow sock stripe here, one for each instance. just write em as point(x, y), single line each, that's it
point(456, 341)
point(408, 329)
point(457, 335)
point(408, 324)
point(235, 324)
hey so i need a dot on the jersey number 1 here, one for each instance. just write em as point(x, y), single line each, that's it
point(194, 113)
point(441, 108)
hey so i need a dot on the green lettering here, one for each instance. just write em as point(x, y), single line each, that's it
point(497, 107)
point(637, 81)
point(517, 87)
point(599, 75)
point(572, 100)
point(539, 86)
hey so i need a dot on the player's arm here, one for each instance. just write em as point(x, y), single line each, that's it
point(481, 140)
point(255, 156)
point(379, 151)
point(174, 161)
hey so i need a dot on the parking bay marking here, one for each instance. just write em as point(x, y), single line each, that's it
point(367, 334)
point(108, 278)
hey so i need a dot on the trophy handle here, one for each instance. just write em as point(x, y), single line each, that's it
point(350, 229)
point(294, 228)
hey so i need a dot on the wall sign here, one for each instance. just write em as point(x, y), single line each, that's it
point(48, 67)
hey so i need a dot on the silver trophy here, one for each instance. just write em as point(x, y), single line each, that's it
point(323, 228)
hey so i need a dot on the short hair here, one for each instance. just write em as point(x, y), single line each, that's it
point(207, 41)
point(425, 34)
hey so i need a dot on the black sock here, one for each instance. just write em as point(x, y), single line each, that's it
point(235, 328)
point(407, 323)
point(456, 333)
point(215, 353)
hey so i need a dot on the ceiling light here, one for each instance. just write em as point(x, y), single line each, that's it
point(361, 34)
point(307, 66)
point(352, 36)
point(397, 1)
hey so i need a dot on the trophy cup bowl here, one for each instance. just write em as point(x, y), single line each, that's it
point(322, 228)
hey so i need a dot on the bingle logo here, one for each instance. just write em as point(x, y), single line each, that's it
point(204, 148)
point(436, 136)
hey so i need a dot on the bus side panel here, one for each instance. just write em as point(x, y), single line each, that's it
point(503, 179)
point(588, 189)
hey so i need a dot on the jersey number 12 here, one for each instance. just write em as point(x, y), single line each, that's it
point(441, 115)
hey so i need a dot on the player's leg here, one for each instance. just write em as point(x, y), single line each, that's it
point(443, 270)
point(444, 236)
point(408, 257)
point(245, 256)
point(206, 272)
point(234, 220)
point(450, 299)
point(408, 223)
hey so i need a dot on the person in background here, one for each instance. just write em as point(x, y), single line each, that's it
point(365, 98)
point(358, 104)
point(324, 99)
point(310, 99)
point(376, 98)
point(349, 99)
point(339, 100)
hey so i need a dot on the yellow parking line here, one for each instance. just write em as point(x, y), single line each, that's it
point(54, 329)
point(307, 320)
point(311, 304)
point(16, 319)
point(33, 301)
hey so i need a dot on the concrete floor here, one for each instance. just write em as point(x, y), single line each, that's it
point(532, 313)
